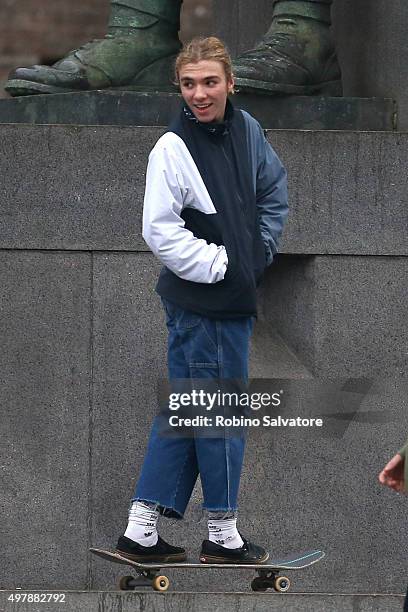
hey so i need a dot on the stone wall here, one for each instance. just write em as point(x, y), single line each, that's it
point(83, 343)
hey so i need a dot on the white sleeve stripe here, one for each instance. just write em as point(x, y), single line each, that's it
point(196, 194)
point(164, 230)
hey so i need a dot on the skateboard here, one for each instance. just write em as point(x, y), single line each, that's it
point(149, 574)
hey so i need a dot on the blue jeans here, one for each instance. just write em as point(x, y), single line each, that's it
point(198, 347)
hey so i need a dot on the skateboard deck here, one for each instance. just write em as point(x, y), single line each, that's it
point(149, 574)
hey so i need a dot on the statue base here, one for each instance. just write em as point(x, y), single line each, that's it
point(113, 107)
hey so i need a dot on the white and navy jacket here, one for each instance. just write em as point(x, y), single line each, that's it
point(214, 208)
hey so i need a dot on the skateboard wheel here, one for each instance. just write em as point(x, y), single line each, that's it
point(161, 583)
point(124, 583)
point(281, 584)
point(259, 584)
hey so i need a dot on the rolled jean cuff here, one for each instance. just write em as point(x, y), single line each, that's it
point(222, 515)
point(165, 511)
point(221, 511)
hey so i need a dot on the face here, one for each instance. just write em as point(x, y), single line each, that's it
point(205, 88)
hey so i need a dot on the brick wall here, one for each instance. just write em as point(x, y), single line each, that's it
point(42, 31)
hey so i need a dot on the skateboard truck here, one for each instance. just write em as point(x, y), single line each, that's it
point(268, 579)
point(146, 579)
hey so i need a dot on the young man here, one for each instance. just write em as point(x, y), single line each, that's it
point(215, 204)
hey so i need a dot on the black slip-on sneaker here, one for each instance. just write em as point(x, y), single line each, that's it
point(161, 552)
point(248, 553)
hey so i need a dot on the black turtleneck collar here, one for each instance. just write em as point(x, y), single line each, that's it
point(217, 129)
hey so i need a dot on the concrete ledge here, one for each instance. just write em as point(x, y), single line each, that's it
point(158, 108)
point(81, 188)
point(100, 601)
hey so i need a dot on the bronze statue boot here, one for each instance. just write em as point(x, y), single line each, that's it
point(138, 52)
point(296, 56)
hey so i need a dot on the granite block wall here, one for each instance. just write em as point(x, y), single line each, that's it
point(83, 341)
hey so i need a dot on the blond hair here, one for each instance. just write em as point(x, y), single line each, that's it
point(200, 48)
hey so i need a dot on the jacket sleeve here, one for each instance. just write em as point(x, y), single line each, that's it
point(403, 450)
point(404, 454)
point(164, 230)
point(271, 195)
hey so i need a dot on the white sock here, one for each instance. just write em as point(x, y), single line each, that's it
point(142, 523)
point(224, 532)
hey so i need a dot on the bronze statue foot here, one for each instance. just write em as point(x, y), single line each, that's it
point(296, 56)
point(116, 63)
point(278, 67)
point(137, 53)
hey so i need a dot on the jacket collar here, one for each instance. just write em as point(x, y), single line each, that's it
point(216, 129)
